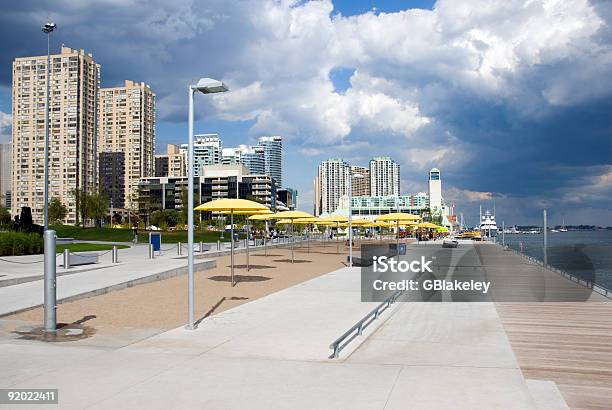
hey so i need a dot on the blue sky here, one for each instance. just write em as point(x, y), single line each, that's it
point(353, 8)
point(510, 99)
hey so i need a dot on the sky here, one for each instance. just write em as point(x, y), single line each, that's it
point(512, 100)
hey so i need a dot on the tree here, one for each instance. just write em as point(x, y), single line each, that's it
point(183, 214)
point(171, 217)
point(81, 199)
point(5, 216)
point(157, 218)
point(97, 207)
point(116, 219)
point(57, 211)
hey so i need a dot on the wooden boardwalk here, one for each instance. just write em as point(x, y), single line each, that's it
point(564, 335)
point(568, 343)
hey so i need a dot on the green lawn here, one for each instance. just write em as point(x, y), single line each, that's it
point(85, 247)
point(126, 235)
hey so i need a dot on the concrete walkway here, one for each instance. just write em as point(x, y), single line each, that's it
point(455, 355)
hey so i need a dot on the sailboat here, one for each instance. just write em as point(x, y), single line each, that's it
point(563, 228)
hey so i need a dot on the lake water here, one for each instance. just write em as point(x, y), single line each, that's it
point(586, 254)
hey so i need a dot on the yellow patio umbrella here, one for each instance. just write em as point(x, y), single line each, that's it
point(243, 206)
point(307, 221)
point(337, 219)
point(360, 222)
point(399, 217)
point(321, 222)
point(263, 217)
point(291, 216)
point(381, 224)
point(248, 225)
point(428, 225)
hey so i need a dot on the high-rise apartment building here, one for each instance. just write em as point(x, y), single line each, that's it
point(112, 177)
point(74, 84)
point(252, 158)
point(384, 177)
point(360, 180)
point(230, 156)
point(273, 157)
point(262, 188)
point(5, 175)
point(126, 123)
point(171, 164)
point(330, 184)
point(207, 150)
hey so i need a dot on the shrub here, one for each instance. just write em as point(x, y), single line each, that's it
point(20, 243)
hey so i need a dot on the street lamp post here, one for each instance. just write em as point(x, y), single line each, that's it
point(205, 86)
point(350, 214)
point(47, 29)
point(50, 296)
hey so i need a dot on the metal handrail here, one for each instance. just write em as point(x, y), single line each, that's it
point(583, 282)
point(337, 345)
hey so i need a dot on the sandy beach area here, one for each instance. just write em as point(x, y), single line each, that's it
point(163, 304)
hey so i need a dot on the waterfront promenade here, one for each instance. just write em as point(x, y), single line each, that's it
point(273, 353)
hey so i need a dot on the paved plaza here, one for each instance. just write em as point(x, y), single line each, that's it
point(273, 352)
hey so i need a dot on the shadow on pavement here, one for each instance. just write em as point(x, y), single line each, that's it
point(240, 278)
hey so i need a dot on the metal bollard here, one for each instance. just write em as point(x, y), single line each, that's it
point(50, 301)
point(66, 258)
point(179, 249)
point(151, 251)
point(201, 246)
point(115, 254)
point(218, 245)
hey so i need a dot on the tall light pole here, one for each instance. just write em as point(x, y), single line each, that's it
point(47, 29)
point(205, 86)
point(350, 214)
point(49, 286)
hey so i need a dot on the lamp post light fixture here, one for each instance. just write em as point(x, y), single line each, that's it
point(350, 214)
point(205, 86)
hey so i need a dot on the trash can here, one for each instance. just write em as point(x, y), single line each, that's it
point(402, 248)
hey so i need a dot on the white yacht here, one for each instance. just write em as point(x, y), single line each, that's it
point(488, 226)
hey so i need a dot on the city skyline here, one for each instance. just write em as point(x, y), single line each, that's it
point(475, 99)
